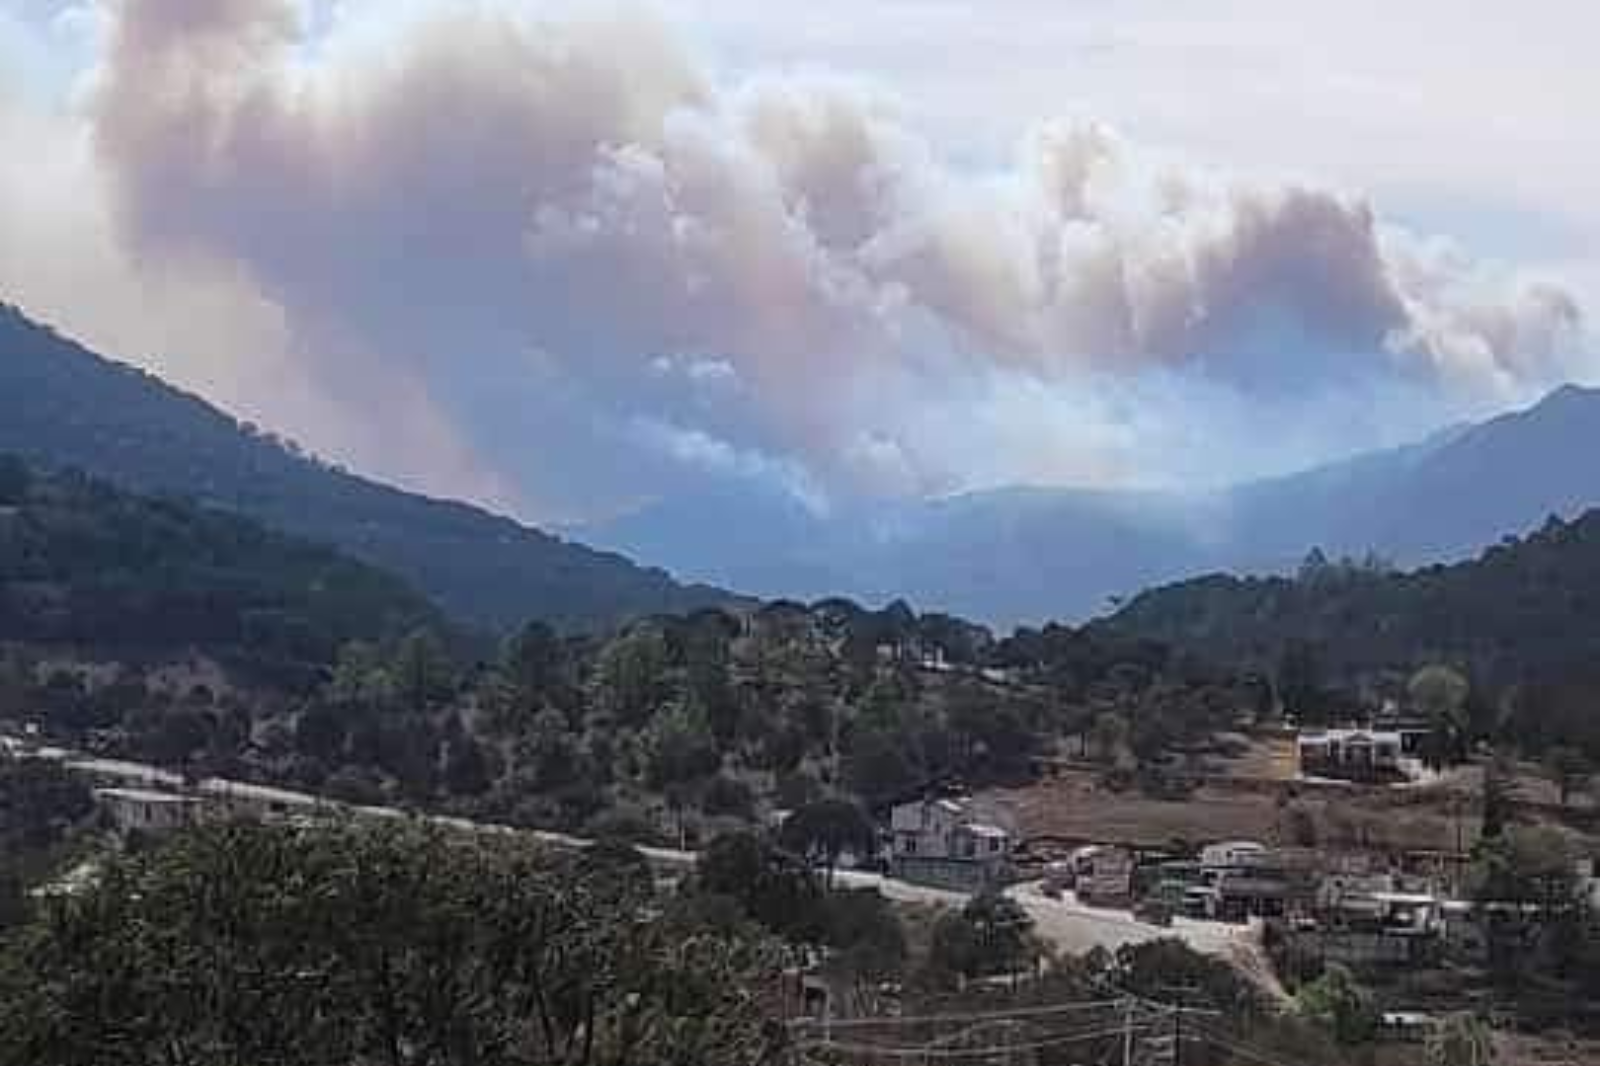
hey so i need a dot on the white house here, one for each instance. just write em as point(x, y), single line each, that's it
point(1102, 873)
point(147, 810)
point(1232, 855)
point(946, 841)
point(1359, 754)
point(240, 799)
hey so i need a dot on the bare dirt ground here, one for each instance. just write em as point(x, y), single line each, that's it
point(1268, 759)
point(1076, 805)
point(1520, 1049)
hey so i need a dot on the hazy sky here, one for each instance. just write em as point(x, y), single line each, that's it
point(569, 257)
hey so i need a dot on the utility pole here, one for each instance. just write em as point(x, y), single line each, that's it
point(1127, 1031)
point(1179, 1008)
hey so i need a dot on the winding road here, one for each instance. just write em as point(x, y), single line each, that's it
point(1069, 927)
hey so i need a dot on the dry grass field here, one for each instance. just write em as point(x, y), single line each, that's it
point(1078, 805)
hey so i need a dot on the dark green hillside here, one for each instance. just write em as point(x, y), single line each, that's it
point(63, 406)
point(91, 567)
point(1523, 610)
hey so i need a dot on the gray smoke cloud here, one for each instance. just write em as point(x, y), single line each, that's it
point(570, 248)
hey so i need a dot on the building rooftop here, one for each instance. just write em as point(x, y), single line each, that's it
point(146, 795)
point(120, 770)
point(1419, 899)
point(216, 786)
point(1350, 736)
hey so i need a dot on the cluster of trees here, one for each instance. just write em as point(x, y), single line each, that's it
point(990, 936)
point(676, 723)
point(1542, 932)
point(1344, 1010)
point(395, 945)
point(744, 877)
point(1134, 703)
point(40, 807)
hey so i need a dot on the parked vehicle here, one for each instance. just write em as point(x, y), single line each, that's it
point(1059, 877)
point(1154, 911)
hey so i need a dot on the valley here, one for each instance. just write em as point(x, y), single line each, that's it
point(175, 669)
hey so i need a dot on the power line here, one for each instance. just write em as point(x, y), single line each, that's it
point(975, 1016)
point(926, 1052)
point(1237, 1048)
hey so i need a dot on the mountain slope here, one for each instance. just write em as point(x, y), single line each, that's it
point(1525, 609)
point(62, 405)
point(87, 566)
point(1029, 554)
point(1444, 498)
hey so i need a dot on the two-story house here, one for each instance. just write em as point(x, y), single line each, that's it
point(945, 841)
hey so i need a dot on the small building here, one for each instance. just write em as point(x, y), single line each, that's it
point(1371, 922)
point(1409, 913)
point(238, 799)
point(1351, 754)
point(1241, 895)
point(1379, 903)
point(1406, 1027)
point(1414, 729)
point(1240, 879)
point(1102, 874)
point(148, 811)
point(118, 773)
point(1232, 855)
point(944, 841)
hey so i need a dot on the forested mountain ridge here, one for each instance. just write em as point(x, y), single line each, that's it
point(64, 406)
point(1525, 609)
point(104, 572)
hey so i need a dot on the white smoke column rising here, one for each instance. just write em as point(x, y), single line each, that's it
point(514, 220)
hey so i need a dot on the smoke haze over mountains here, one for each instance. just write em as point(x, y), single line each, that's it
point(572, 264)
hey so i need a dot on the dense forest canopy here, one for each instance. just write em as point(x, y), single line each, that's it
point(1525, 608)
point(666, 729)
point(63, 406)
point(88, 566)
point(1520, 624)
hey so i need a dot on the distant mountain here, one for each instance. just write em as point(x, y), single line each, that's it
point(747, 536)
point(1438, 500)
point(1008, 556)
point(61, 405)
point(1029, 554)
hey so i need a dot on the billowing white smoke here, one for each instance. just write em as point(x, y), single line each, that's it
point(551, 230)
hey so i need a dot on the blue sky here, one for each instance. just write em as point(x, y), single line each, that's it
point(567, 257)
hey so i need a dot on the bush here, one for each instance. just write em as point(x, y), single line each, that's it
point(627, 824)
point(992, 934)
point(1339, 1006)
point(728, 797)
point(795, 790)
